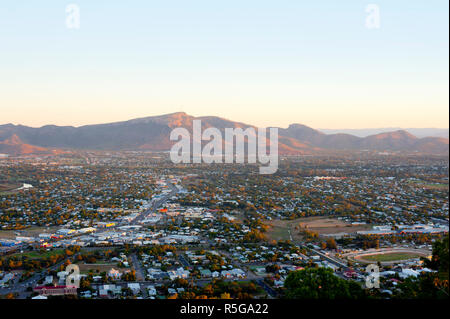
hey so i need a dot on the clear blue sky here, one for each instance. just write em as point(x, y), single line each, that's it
point(261, 62)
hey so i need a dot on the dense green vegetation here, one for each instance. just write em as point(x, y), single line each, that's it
point(320, 283)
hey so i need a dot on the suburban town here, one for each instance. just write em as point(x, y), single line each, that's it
point(137, 226)
point(224, 159)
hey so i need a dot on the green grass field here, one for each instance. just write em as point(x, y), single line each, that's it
point(390, 257)
point(40, 255)
point(98, 268)
point(437, 186)
point(9, 188)
point(279, 233)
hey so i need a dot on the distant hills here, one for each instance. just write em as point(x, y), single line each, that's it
point(418, 132)
point(16, 147)
point(152, 134)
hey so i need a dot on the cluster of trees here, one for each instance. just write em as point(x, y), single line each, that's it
point(129, 275)
point(156, 250)
point(330, 243)
point(309, 235)
point(216, 289)
point(92, 257)
point(219, 289)
point(273, 268)
point(253, 236)
point(215, 262)
point(24, 262)
point(320, 283)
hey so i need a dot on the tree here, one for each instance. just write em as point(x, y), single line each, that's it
point(331, 243)
point(320, 283)
point(272, 268)
point(440, 258)
point(430, 285)
point(225, 295)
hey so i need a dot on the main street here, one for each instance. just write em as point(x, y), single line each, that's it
point(155, 205)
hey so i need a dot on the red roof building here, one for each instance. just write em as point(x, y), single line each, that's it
point(56, 290)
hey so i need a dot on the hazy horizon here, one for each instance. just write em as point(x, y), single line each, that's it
point(238, 120)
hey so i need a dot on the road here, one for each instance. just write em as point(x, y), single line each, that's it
point(156, 205)
point(330, 259)
point(140, 275)
point(183, 261)
point(272, 293)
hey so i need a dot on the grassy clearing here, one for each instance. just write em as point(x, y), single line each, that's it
point(39, 254)
point(390, 257)
point(279, 233)
point(4, 187)
point(435, 186)
point(279, 229)
point(27, 232)
point(99, 268)
point(9, 188)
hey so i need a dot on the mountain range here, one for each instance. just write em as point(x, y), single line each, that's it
point(418, 132)
point(152, 134)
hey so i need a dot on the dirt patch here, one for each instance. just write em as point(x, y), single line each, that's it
point(99, 268)
point(7, 234)
point(290, 230)
point(330, 225)
point(434, 186)
point(9, 188)
point(28, 232)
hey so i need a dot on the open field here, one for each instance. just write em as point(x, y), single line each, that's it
point(390, 257)
point(435, 186)
point(40, 255)
point(8, 188)
point(7, 234)
point(284, 229)
point(28, 232)
point(324, 225)
point(279, 232)
point(99, 268)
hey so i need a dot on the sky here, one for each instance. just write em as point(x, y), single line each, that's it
point(266, 63)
